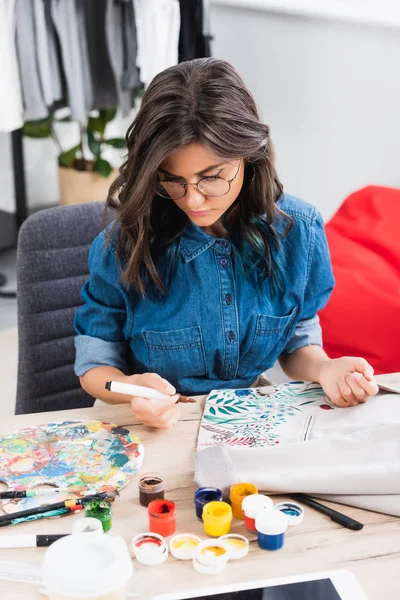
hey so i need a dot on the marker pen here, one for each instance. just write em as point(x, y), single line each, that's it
point(29, 541)
point(135, 390)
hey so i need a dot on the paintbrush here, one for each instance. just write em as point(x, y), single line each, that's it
point(33, 493)
point(75, 504)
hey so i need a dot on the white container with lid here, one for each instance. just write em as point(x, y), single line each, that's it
point(271, 522)
point(78, 566)
point(184, 545)
point(211, 557)
point(150, 548)
point(238, 545)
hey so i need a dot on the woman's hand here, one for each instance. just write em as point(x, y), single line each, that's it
point(347, 381)
point(162, 414)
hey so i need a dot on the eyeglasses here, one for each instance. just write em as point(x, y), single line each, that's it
point(209, 186)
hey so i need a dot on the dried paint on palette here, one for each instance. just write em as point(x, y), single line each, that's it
point(72, 454)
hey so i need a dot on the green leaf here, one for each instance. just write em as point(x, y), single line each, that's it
point(108, 114)
point(116, 142)
point(67, 158)
point(103, 167)
point(38, 129)
point(96, 124)
point(212, 410)
point(94, 144)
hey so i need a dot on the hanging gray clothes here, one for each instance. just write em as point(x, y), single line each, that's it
point(102, 76)
point(69, 21)
point(53, 47)
point(32, 92)
point(42, 51)
point(121, 41)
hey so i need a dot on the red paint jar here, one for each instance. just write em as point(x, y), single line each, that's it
point(162, 517)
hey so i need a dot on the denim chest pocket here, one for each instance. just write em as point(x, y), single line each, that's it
point(270, 336)
point(176, 354)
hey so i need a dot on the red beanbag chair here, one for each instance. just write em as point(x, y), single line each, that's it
point(362, 317)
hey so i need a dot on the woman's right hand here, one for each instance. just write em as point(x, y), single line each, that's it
point(162, 414)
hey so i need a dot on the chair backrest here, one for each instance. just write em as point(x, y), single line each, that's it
point(52, 265)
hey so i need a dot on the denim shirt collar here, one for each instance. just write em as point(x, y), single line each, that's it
point(195, 240)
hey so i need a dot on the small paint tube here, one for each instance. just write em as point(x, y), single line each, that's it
point(211, 557)
point(150, 549)
point(151, 487)
point(271, 526)
point(204, 495)
point(237, 493)
point(89, 526)
point(184, 545)
point(162, 517)
point(238, 545)
point(293, 511)
point(252, 505)
point(217, 518)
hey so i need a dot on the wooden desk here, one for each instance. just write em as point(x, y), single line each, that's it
point(372, 554)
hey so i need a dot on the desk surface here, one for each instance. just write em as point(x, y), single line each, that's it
point(372, 554)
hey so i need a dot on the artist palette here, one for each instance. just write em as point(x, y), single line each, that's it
point(80, 456)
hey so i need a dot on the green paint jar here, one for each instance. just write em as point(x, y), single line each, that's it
point(101, 510)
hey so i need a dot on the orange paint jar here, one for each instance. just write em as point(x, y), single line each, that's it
point(238, 492)
point(162, 517)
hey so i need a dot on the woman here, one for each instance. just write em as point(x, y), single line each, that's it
point(210, 273)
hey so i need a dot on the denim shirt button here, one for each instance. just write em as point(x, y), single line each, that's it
point(224, 262)
point(228, 299)
point(231, 336)
point(224, 243)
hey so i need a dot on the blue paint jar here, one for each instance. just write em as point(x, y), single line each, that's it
point(205, 495)
point(271, 526)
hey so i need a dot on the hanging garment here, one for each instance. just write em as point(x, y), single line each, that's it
point(192, 43)
point(69, 21)
point(350, 455)
point(102, 77)
point(54, 55)
point(158, 27)
point(32, 91)
point(121, 40)
point(11, 109)
point(42, 51)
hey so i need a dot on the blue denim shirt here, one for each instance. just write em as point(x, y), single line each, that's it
point(215, 329)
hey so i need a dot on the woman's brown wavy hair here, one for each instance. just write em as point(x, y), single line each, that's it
point(203, 101)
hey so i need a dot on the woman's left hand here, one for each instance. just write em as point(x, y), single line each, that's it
point(347, 381)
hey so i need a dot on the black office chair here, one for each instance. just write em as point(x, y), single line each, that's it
point(52, 265)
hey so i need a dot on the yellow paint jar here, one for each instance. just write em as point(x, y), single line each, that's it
point(238, 492)
point(217, 518)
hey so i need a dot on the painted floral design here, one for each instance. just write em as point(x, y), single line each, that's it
point(252, 417)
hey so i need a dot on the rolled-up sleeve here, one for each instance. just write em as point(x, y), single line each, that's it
point(318, 289)
point(101, 322)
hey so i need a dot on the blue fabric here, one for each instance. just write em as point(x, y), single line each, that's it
point(214, 329)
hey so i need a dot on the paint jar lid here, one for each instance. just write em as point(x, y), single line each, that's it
point(88, 526)
point(293, 511)
point(183, 546)
point(253, 504)
point(212, 552)
point(238, 545)
point(79, 566)
point(208, 569)
point(271, 522)
point(150, 548)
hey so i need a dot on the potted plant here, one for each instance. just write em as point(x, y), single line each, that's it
point(84, 175)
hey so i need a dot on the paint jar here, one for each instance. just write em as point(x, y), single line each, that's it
point(217, 518)
point(183, 546)
point(88, 526)
point(238, 545)
point(78, 566)
point(101, 510)
point(252, 505)
point(293, 511)
point(150, 549)
point(271, 526)
point(204, 495)
point(237, 493)
point(162, 517)
point(211, 557)
point(151, 487)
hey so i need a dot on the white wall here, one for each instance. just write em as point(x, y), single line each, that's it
point(330, 92)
